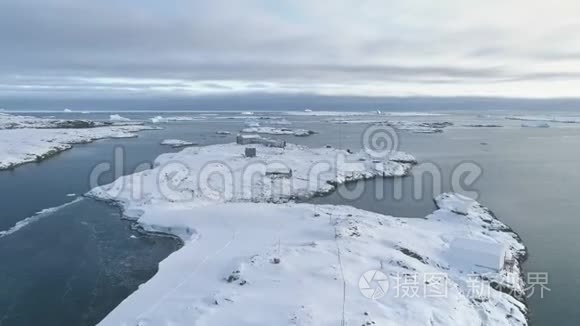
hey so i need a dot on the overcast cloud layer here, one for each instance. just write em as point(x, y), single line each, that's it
point(111, 48)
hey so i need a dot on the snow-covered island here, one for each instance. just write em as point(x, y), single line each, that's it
point(545, 118)
point(535, 125)
point(177, 143)
point(279, 131)
point(26, 139)
point(160, 119)
point(483, 125)
point(428, 127)
point(195, 175)
point(253, 257)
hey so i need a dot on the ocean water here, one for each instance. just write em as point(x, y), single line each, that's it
point(72, 266)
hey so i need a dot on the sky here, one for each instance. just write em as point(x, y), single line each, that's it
point(343, 48)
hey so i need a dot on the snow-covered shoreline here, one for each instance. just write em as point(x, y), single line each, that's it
point(253, 259)
point(278, 264)
point(25, 139)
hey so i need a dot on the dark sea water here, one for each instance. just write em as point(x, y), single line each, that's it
point(74, 265)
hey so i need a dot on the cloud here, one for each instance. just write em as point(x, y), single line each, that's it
point(367, 48)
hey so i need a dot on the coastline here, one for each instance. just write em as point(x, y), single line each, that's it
point(56, 141)
point(150, 223)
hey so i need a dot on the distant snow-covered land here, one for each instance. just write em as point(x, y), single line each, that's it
point(26, 139)
point(160, 119)
point(410, 126)
point(545, 118)
point(278, 131)
point(360, 113)
point(252, 257)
